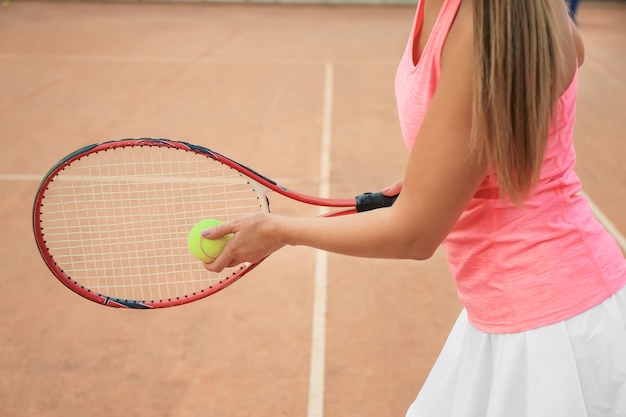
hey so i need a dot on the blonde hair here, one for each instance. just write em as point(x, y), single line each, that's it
point(516, 79)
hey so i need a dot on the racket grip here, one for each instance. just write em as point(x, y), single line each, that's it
point(371, 201)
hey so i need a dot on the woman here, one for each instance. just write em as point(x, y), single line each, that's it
point(486, 97)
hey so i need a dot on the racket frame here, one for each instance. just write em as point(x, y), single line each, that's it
point(262, 185)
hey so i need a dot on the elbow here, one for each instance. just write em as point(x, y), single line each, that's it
point(420, 249)
point(424, 252)
point(414, 239)
point(417, 242)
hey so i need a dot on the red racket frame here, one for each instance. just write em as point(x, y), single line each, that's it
point(349, 205)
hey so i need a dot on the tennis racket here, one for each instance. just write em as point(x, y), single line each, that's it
point(111, 220)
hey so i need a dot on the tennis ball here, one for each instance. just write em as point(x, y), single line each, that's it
point(206, 250)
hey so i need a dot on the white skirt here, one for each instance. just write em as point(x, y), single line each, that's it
point(575, 368)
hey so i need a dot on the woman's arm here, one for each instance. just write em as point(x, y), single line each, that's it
point(438, 183)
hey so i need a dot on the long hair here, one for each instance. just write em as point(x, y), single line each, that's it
point(517, 69)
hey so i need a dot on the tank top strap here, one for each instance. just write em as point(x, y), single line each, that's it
point(439, 32)
point(417, 77)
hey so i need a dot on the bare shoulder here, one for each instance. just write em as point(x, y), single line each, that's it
point(580, 47)
point(571, 37)
point(571, 45)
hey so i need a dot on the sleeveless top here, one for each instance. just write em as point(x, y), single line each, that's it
point(517, 268)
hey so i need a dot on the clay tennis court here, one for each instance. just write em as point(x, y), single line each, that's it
point(279, 88)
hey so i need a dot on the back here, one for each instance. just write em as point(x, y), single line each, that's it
point(522, 268)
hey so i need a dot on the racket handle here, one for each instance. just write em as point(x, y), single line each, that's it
point(371, 201)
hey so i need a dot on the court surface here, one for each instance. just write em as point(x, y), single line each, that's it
point(282, 89)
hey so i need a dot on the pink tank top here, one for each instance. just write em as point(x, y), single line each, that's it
point(517, 268)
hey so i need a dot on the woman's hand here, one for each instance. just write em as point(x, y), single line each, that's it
point(253, 239)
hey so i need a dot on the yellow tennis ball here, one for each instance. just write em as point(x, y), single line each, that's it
point(206, 250)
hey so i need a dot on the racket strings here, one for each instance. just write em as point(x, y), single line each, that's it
point(117, 221)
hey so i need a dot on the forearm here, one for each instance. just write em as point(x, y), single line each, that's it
point(373, 234)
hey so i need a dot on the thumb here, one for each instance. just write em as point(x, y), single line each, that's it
point(393, 189)
point(218, 231)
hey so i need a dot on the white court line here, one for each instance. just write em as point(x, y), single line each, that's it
point(157, 59)
point(318, 331)
point(20, 177)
